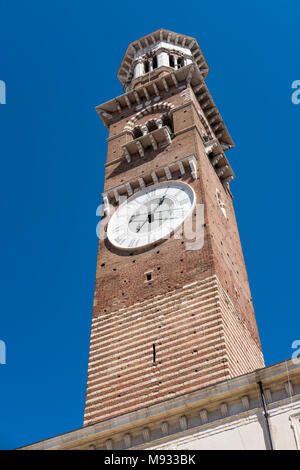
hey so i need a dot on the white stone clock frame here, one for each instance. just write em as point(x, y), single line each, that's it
point(139, 193)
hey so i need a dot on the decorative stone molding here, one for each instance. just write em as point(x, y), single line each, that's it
point(154, 177)
point(233, 389)
point(245, 402)
point(106, 205)
point(227, 180)
point(126, 153)
point(221, 170)
point(289, 388)
point(163, 107)
point(140, 148)
point(268, 395)
point(182, 166)
point(203, 416)
point(216, 159)
point(127, 440)
point(164, 428)
point(153, 142)
point(183, 76)
point(146, 434)
point(219, 161)
point(193, 168)
point(144, 129)
point(116, 194)
point(211, 146)
point(109, 444)
point(183, 423)
point(168, 173)
point(157, 138)
point(221, 202)
point(141, 183)
point(129, 189)
point(224, 410)
point(162, 42)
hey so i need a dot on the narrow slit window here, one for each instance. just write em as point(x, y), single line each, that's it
point(148, 276)
point(154, 352)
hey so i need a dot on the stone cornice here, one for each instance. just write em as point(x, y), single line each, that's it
point(149, 93)
point(109, 139)
point(161, 35)
point(212, 147)
point(211, 397)
point(185, 165)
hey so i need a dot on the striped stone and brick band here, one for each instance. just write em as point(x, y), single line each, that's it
point(198, 337)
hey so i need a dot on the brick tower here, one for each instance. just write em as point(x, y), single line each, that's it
point(166, 319)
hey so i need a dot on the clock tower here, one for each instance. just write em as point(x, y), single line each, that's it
point(172, 308)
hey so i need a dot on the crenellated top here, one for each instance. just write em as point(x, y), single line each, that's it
point(160, 51)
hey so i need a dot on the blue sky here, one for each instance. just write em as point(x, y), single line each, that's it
point(59, 59)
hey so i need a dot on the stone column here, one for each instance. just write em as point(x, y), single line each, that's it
point(144, 130)
point(162, 59)
point(175, 62)
point(159, 123)
point(139, 69)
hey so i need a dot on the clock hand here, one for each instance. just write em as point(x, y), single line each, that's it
point(149, 218)
point(161, 200)
point(156, 212)
point(149, 215)
point(160, 218)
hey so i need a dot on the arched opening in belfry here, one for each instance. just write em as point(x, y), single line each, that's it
point(172, 61)
point(180, 62)
point(152, 126)
point(168, 121)
point(137, 132)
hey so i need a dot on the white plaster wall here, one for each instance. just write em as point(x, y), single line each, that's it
point(165, 45)
point(247, 433)
point(244, 434)
point(285, 437)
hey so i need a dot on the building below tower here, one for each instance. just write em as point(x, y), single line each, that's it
point(227, 415)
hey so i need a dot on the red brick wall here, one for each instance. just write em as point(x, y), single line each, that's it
point(201, 333)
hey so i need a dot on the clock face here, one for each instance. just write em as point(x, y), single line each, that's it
point(150, 215)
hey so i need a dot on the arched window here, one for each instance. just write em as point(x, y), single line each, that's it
point(180, 62)
point(154, 63)
point(137, 132)
point(171, 61)
point(168, 121)
point(146, 66)
point(151, 125)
